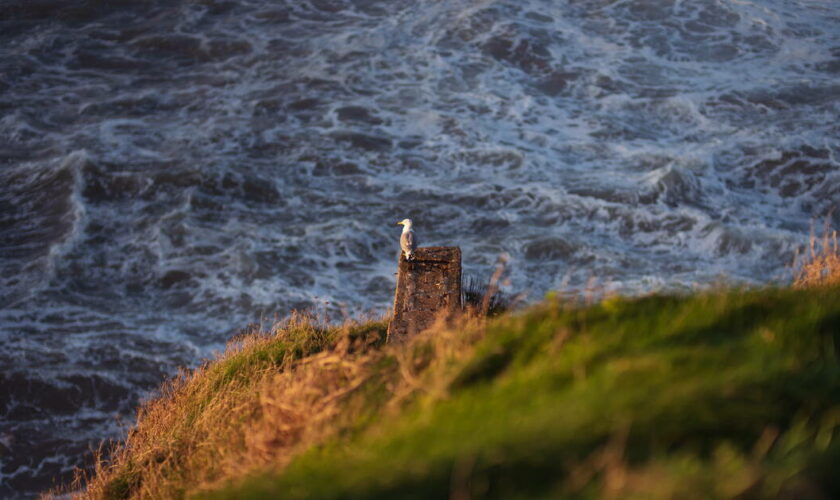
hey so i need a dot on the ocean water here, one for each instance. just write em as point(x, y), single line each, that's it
point(173, 170)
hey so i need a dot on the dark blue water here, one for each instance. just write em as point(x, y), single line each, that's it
point(174, 170)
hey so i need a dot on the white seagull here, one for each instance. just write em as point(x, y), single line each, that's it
point(408, 242)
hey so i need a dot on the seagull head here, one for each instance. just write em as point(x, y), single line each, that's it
point(404, 222)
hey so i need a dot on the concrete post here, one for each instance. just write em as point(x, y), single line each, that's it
point(426, 285)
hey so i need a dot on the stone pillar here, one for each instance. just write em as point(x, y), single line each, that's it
point(426, 285)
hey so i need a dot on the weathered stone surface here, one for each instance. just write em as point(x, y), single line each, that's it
point(427, 286)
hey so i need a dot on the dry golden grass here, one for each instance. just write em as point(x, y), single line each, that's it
point(268, 394)
point(268, 397)
point(821, 267)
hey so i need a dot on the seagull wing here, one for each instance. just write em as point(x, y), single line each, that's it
point(408, 242)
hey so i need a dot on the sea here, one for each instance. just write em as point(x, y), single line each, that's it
point(175, 171)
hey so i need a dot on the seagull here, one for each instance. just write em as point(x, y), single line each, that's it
point(408, 242)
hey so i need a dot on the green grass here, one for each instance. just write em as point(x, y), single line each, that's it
point(718, 395)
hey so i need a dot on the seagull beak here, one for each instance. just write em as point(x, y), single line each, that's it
point(398, 223)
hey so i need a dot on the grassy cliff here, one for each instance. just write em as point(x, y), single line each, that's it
point(721, 394)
